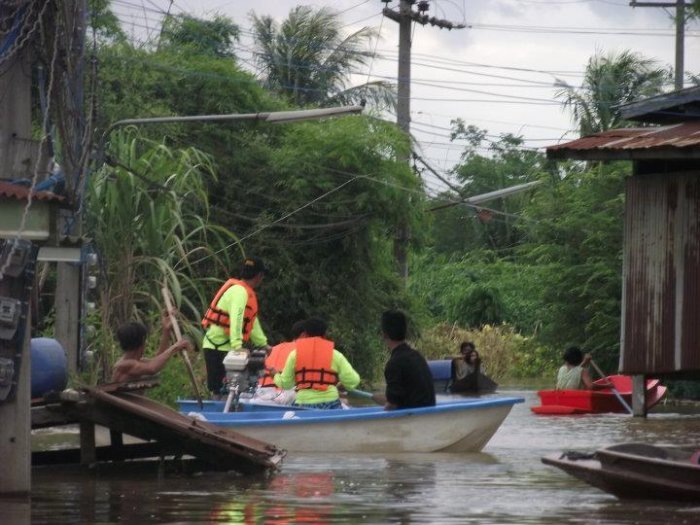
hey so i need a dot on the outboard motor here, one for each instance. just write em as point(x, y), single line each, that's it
point(243, 369)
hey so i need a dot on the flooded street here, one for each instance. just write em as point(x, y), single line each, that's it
point(505, 484)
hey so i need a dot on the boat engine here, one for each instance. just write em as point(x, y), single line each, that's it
point(243, 369)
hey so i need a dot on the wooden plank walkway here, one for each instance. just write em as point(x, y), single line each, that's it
point(167, 432)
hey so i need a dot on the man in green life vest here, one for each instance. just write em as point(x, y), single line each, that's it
point(316, 369)
point(232, 320)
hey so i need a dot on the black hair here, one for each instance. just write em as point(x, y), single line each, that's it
point(131, 335)
point(297, 329)
point(251, 267)
point(394, 325)
point(573, 355)
point(315, 327)
point(467, 344)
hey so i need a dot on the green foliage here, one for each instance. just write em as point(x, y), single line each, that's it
point(103, 23)
point(504, 352)
point(308, 60)
point(148, 216)
point(202, 37)
point(611, 80)
point(323, 207)
point(576, 237)
point(684, 389)
point(176, 80)
point(459, 228)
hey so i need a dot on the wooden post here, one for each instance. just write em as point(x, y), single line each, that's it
point(67, 325)
point(87, 443)
point(15, 417)
point(15, 435)
point(639, 407)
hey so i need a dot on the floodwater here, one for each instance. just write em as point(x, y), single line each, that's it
point(505, 484)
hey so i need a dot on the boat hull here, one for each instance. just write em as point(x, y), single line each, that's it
point(464, 426)
point(628, 472)
point(566, 402)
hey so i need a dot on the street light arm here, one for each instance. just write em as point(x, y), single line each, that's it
point(275, 117)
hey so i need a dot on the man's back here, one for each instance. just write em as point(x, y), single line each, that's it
point(409, 383)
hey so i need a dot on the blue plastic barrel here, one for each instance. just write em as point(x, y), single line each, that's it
point(49, 366)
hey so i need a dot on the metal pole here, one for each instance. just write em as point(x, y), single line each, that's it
point(680, 37)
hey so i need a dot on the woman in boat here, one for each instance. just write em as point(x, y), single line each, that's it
point(467, 374)
point(574, 374)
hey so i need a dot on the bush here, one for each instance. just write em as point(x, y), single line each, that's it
point(503, 351)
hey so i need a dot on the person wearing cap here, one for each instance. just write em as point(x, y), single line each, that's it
point(231, 320)
point(316, 369)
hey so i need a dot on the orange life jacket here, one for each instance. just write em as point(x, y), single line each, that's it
point(277, 359)
point(219, 317)
point(314, 362)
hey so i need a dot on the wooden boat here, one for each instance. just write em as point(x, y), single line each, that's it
point(460, 426)
point(637, 471)
point(567, 402)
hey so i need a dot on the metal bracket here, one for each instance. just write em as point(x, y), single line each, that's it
point(7, 373)
point(16, 252)
point(10, 312)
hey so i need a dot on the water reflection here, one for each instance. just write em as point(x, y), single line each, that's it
point(506, 484)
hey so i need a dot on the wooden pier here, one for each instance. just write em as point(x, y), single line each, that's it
point(165, 432)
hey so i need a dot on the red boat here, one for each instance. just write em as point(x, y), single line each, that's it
point(566, 402)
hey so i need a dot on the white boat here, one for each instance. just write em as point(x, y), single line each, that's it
point(455, 426)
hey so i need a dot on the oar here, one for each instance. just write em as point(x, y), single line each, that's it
point(366, 395)
point(614, 390)
point(167, 298)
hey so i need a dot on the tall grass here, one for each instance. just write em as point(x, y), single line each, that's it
point(504, 352)
point(148, 218)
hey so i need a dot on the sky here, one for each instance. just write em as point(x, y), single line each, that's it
point(498, 73)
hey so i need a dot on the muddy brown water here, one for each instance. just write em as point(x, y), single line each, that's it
point(504, 484)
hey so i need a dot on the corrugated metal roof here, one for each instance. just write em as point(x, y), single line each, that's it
point(678, 140)
point(682, 105)
point(21, 193)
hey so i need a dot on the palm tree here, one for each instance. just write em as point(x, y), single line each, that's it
point(608, 82)
point(307, 59)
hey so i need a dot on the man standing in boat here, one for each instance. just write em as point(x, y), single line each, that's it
point(316, 369)
point(409, 383)
point(231, 320)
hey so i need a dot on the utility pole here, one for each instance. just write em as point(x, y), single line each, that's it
point(15, 423)
point(680, 6)
point(405, 16)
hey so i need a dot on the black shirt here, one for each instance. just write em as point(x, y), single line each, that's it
point(409, 383)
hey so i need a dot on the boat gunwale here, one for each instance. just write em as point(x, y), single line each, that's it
point(610, 453)
point(269, 418)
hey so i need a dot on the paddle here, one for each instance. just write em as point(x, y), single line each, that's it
point(167, 298)
point(366, 395)
point(614, 390)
